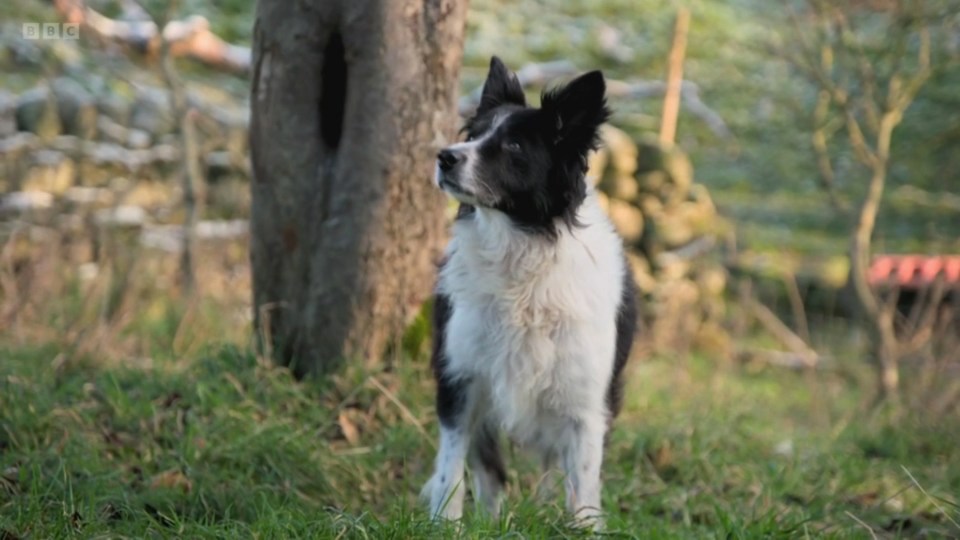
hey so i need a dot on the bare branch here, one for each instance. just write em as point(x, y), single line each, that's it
point(533, 75)
point(671, 102)
point(923, 73)
point(796, 304)
point(782, 332)
point(860, 245)
point(822, 131)
point(861, 148)
point(868, 79)
point(920, 326)
point(690, 99)
point(816, 72)
point(529, 75)
point(807, 50)
point(191, 176)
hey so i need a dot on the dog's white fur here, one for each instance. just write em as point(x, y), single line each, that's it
point(533, 328)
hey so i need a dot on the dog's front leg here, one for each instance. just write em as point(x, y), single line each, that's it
point(582, 457)
point(446, 487)
point(487, 468)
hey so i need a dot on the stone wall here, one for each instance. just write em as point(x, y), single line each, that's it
point(673, 232)
point(78, 157)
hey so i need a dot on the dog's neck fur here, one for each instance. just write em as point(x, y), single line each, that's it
point(528, 276)
point(491, 239)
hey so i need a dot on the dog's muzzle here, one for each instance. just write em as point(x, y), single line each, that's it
point(448, 160)
point(449, 163)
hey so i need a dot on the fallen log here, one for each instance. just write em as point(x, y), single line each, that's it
point(785, 359)
point(187, 38)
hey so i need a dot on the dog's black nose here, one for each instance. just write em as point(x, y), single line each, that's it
point(447, 160)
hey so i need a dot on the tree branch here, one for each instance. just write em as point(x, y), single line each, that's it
point(783, 333)
point(533, 75)
point(865, 68)
point(822, 132)
point(671, 102)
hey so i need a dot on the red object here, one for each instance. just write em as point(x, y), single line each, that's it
point(914, 271)
point(952, 269)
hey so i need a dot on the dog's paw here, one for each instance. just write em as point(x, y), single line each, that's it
point(445, 501)
point(589, 518)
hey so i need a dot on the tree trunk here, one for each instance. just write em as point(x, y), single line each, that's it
point(350, 101)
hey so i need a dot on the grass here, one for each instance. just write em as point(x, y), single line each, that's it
point(222, 445)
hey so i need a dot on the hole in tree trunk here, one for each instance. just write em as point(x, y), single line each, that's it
point(333, 91)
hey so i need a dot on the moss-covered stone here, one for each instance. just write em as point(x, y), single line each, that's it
point(50, 171)
point(76, 107)
point(627, 219)
point(8, 114)
point(37, 113)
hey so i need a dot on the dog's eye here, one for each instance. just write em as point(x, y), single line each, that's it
point(511, 146)
point(469, 138)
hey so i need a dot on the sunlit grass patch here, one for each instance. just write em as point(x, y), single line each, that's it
point(225, 445)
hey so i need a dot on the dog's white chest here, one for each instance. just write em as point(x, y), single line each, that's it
point(517, 364)
point(533, 324)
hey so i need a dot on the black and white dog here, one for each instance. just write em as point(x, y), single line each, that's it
point(535, 306)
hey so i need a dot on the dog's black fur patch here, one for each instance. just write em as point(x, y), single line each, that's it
point(451, 394)
point(534, 162)
point(485, 446)
point(627, 315)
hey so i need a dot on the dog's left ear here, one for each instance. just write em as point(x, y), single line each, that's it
point(501, 87)
point(577, 110)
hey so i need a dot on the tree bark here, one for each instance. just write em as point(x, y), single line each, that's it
point(350, 101)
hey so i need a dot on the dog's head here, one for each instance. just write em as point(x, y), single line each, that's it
point(527, 163)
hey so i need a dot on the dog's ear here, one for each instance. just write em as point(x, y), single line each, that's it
point(500, 88)
point(576, 111)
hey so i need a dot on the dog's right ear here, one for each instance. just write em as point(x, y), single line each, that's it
point(577, 110)
point(501, 87)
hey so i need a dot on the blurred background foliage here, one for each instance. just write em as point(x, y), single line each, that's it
point(82, 320)
point(764, 176)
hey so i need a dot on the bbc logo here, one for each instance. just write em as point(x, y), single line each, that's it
point(51, 31)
